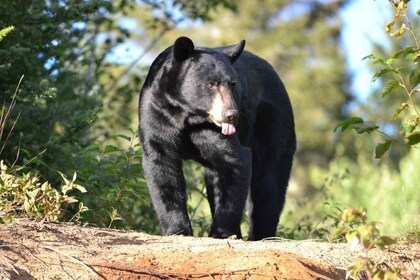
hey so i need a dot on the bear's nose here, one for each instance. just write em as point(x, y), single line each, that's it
point(231, 115)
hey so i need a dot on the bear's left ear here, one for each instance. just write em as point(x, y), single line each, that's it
point(234, 51)
point(183, 48)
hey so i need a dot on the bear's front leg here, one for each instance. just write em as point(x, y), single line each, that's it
point(228, 177)
point(166, 184)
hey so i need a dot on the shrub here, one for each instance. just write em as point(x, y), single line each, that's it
point(26, 196)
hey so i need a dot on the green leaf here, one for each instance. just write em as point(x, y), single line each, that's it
point(408, 127)
point(399, 110)
point(92, 148)
point(348, 124)
point(389, 87)
point(382, 148)
point(408, 49)
point(409, 56)
point(110, 149)
point(124, 137)
point(379, 61)
point(370, 56)
point(413, 138)
point(5, 31)
point(414, 78)
point(340, 231)
point(70, 200)
point(66, 181)
point(80, 188)
point(389, 61)
point(379, 73)
point(365, 127)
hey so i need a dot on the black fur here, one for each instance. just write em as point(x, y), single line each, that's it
point(175, 124)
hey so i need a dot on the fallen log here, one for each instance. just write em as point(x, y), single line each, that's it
point(31, 250)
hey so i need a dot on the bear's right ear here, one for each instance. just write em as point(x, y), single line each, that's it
point(234, 51)
point(183, 48)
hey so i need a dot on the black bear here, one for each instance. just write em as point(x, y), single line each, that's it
point(228, 110)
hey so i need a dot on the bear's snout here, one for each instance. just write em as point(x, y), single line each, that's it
point(231, 115)
point(229, 118)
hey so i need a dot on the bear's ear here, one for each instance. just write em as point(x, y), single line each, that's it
point(234, 51)
point(183, 48)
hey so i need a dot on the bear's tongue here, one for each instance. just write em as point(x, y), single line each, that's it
point(228, 129)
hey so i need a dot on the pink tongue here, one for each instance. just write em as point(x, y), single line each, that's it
point(228, 129)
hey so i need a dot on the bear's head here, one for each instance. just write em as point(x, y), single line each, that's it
point(206, 81)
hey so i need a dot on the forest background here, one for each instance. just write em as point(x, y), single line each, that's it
point(74, 112)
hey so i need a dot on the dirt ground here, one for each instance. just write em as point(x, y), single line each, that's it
point(31, 250)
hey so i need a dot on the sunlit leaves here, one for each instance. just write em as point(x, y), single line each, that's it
point(23, 195)
point(414, 78)
point(365, 127)
point(5, 31)
point(397, 112)
point(400, 31)
point(390, 87)
point(111, 149)
point(381, 72)
point(348, 124)
point(364, 236)
point(358, 124)
point(401, 7)
point(401, 81)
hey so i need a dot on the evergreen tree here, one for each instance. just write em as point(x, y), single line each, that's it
point(62, 49)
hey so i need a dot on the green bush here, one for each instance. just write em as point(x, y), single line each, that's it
point(401, 78)
point(360, 232)
point(26, 196)
point(117, 194)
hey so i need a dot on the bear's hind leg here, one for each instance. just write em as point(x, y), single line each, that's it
point(273, 146)
point(267, 198)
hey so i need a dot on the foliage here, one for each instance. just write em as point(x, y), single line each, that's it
point(5, 31)
point(199, 9)
point(58, 100)
point(4, 116)
point(360, 232)
point(389, 194)
point(411, 232)
point(405, 79)
point(318, 224)
point(74, 88)
point(26, 196)
point(117, 194)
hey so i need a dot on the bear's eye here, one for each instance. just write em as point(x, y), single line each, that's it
point(212, 84)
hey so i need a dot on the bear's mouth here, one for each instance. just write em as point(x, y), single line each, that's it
point(227, 128)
